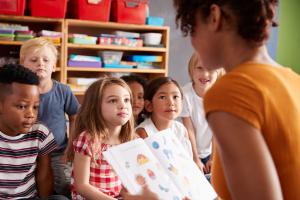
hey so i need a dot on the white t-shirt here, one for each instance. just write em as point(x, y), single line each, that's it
point(193, 108)
point(176, 127)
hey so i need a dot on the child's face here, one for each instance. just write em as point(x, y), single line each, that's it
point(18, 110)
point(116, 107)
point(42, 61)
point(138, 98)
point(166, 103)
point(202, 77)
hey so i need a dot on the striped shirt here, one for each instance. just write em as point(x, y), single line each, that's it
point(18, 156)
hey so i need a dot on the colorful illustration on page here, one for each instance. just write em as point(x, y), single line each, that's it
point(142, 159)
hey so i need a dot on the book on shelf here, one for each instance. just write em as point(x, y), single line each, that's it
point(162, 163)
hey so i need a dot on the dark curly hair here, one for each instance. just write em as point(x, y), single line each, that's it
point(11, 73)
point(252, 17)
point(14, 73)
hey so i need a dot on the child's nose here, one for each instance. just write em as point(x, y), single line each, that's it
point(30, 113)
point(122, 104)
point(171, 101)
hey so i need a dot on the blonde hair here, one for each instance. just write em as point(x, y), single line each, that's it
point(36, 44)
point(90, 117)
point(193, 62)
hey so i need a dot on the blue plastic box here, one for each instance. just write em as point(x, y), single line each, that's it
point(155, 21)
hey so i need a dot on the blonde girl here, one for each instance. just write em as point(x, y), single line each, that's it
point(163, 103)
point(104, 120)
point(193, 116)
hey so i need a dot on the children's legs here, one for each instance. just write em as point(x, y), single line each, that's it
point(62, 175)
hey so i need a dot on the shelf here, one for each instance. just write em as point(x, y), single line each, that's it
point(28, 19)
point(113, 25)
point(78, 92)
point(16, 43)
point(85, 69)
point(69, 26)
point(116, 47)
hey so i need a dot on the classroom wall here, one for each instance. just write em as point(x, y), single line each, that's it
point(282, 44)
point(288, 52)
point(180, 47)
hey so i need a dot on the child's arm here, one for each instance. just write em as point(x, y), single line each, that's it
point(81, 169)
point(67, 153)
point(142, 133)
point(44, 176)
point(187, 122)
point(209, 163)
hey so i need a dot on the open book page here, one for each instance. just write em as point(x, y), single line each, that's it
point(135, 165)
point(179, 166)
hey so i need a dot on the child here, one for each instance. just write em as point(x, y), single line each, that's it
point(104, 120)
point(25, 145)
point(137, 85)
point(192, 114)
point(253, 110)
point(163, 102)
point(56, 99)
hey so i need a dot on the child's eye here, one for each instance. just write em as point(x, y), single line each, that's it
point(21, 107)
point(176, 97)
point(200, 68)
point(33, 60)
point(126, 100)
point(162, 97)
point(141, 97)
point(46, 60)
point(36, 107)
point(112, 101)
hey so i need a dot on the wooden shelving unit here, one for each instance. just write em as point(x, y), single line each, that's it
point(36, 24)
point(93, 28)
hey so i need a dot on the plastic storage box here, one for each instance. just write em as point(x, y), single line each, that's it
point(98, 10)
point(155, 21)
point(152, 38)
point(111, 57)
point(129, 11)
point(12, 7)
point(48, 8)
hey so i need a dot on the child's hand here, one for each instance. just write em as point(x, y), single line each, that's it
point(208, 166)
point(200, 165)
point(146, 194)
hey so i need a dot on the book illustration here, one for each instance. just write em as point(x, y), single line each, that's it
point(140, 180)
point(127, 164)
point(151, 174)
point(186, 180)
point(168, 153)
point(142, 159)
point(162, 188)
point(173, 169)
point(155, 145)
point(165, 141)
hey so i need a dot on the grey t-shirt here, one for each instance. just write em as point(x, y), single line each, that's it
point(53, 106)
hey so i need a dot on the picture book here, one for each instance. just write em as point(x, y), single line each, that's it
point(162, 163)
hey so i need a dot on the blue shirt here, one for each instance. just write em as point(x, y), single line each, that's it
point(53, 106)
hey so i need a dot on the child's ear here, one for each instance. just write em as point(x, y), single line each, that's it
point(148, 106)
point(54, 68)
